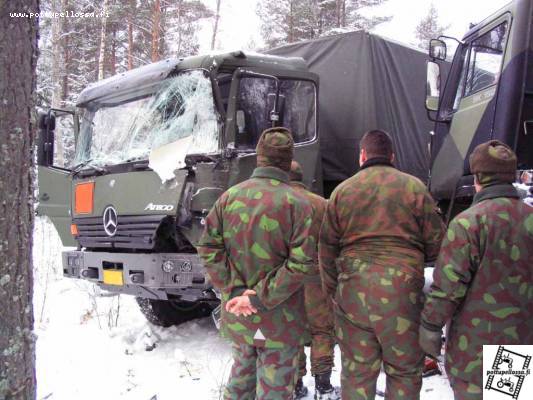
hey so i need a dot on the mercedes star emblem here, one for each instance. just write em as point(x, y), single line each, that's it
point(110, 221)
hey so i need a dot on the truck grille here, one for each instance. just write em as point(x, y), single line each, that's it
point(133, 232)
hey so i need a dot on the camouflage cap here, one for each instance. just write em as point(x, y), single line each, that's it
point(494, 159)
point(275, 148)
point(296, 173)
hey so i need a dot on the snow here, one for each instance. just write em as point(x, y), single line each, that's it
point(92, 345)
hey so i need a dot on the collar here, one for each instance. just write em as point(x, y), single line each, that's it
point(494, 191)
point(271, 173)
point(383, 161)
point(298, 184)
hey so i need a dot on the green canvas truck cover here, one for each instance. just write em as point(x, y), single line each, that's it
point(367, 82)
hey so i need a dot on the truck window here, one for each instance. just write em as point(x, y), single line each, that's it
point(486, 56)
point(255, 101)
point(64, 141)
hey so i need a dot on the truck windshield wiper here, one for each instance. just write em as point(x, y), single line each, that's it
point(81, 167)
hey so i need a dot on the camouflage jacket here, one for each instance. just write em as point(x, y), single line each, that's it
point(382, 216)
point(318, 203)
point(483, 280)
point(258, 236)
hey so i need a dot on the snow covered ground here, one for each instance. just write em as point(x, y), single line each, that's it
point(94, 346)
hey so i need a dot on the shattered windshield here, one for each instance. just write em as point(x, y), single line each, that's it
point(180, 108)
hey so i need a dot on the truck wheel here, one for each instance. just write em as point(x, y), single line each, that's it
point(172, 312)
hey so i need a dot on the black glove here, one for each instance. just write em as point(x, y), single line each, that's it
point(430, 341)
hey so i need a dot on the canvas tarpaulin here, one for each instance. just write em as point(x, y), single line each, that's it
point(367, 82)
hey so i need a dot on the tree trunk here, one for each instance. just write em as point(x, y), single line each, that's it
point(178, 19)
point(18, 57)
point(58, 72)
point(215, 28)
point(114, 51)
point(66, 54)
point(101, 56)
point(156, 26)
point(57, 55)
point(343, 13)
point(338, 12)
point(130, 35)
point(291, 22)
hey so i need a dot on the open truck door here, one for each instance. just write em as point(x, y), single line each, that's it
point(54, 178)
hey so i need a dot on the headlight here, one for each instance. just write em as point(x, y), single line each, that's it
point(168, 266)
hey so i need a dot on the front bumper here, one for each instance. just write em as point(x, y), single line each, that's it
point(142, 274)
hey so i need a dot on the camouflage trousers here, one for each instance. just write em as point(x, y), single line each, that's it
point(377, 315)
point(262, 374)
point(463, 390)
point(318, 309)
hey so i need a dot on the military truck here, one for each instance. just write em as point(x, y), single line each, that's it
point(153, 148)
point(487, 94)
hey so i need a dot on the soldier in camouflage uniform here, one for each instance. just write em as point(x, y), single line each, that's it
point(318, 308)
point(258, 250)
point(482, 282)
point(379, 228)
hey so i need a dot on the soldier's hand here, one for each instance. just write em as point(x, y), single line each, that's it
point(240, 305)
point(430, 341)
point(249, 292)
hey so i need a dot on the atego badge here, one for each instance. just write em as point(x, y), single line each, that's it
point(110, 220)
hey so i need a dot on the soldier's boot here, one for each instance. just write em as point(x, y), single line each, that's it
point(323, 388)
point(300, 391)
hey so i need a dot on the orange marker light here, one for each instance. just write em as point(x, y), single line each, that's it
point(74, 229)
point(83, 198)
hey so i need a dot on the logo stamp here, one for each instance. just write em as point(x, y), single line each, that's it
point(509, 370)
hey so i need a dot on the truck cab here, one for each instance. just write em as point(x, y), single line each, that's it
point(487, 94)
point(152, 150)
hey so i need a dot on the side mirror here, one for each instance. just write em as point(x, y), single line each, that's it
point(437, 49)
point(45, 142)
point(432, 86)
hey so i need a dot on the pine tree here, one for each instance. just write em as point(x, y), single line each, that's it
point(18, 57)
point(429, 28)
point(183, 18)
point(346, 15)
point(288, 21)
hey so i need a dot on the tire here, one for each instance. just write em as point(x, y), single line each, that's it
point(167, 313)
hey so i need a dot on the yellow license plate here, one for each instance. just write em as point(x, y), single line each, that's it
point(113, 277)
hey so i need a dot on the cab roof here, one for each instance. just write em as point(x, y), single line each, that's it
point(156, 72)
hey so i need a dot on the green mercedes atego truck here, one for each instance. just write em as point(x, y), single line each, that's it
point(152, 149)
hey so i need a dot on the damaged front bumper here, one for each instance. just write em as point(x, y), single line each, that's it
point(154, 276)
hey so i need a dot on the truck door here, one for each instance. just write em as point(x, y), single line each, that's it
point(254, 91)
point(56, 146)
point(469, 104)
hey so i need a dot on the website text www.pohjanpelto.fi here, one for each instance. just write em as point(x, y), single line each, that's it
point(62, 14)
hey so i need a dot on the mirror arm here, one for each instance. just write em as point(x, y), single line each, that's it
point(451, 38)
